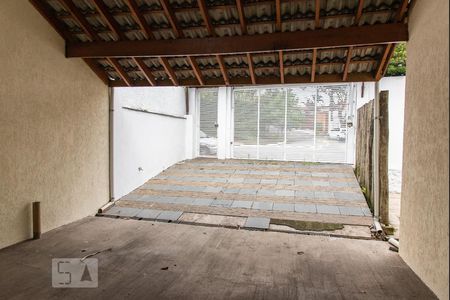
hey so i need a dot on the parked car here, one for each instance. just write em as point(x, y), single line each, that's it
point(339, 134)
point(208, 144)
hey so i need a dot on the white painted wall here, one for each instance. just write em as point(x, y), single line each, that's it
point(396, 88)
point(147, 141)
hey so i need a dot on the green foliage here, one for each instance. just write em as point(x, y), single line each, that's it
point(397, 65)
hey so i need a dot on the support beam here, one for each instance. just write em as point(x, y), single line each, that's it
point(196, 70)
point(401, 12)
point(170, 15)
point(103, 10)
point(281, 63)
point(80, 19)
point(97, 69)
point(278, 14)
point(166, 65)
point(251, 68)
point(145, 70)
point(347, 63)
point(383, 61)
point(223, 69)
point(359, 11)
point(139, 18)
point(299, 40)
point(114, 62)
point(205, 14)
point(313, 66)
point(241, 13)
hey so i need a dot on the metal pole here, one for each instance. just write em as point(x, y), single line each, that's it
point(257, 129)
point(111, 144)
point(315, 122)
point(376, 150)
point(285, 124)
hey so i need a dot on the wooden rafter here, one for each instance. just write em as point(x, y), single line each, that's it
point(299, 40)
point(145, 70)
point(347, 63)
point(139, 18)
point(223, 70)
point(98, 70)
point(384, 59)
point(170, 15)
point(241, 13)
point(196, 70)
point(359, 11)
point(114, 62)
point(313, 66)
point(81, 20)
point(281, 63)
point(278, 15)
point(206, 18)
point(103, 10)
point(317, 14)
point(166, 65)
point(48, 13)
point(401, 12)
point(251, 68)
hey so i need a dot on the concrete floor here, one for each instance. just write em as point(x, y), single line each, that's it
point(207, 263)
point(258, 189)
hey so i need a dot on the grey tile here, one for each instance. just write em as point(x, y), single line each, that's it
point(202, 201)
point(328, 209)
point(242, 172)
point(184, 200)
point(339, 175)
point(272, 173)
point(248, 191)
point(236, 180)
point(188, 188)
point(133, 197)
point(268, 181)
point(221, 203)
point(213, 189)
point(351, 211)
point(338, 183)
point(367, 212)
point(316, 174)
point(349, 196)
point(320, 183)
point(303, 173)
point(256, 172)
point(257, 223)
point(285, 181)
point(148, 214)
point(323, 195)
point(149, 198)
point(266, 192)
point(123, 211)
point(168, 215)
point(305, 208)
point(242, 204)
point(302, 182)
point(231, 191)
point(287, 172)
point(252, 180)
point(304, 194)
point(163, 199)
point(262, 205)
point(285, 193)
point(283, 206)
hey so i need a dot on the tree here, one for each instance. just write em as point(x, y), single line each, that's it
point(397, 65)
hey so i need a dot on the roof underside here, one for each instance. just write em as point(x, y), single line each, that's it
point(107, 24)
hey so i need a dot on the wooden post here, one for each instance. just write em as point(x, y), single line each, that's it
point(383, 157)
point(36, 220)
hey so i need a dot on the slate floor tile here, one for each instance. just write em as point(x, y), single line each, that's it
point(148, 214)
point(285, 181)
point(266, 192)
point(247, 191)
point(221, 203)
point(367, 212)
point(134, 197)
point(328, 209)
point(168, 215)
point(305, 208)
point(213, 189)
point(241, 204)
point(283, 206)
point(202, 201)
point(123, 211)
point(304, 194)
point(262, 205)
point(257, 223)
point(252, 180)
point(323, 195)
point(236, 180)
point(231, 191)
point(285, 193)
point(268, 181)
point(351, 211)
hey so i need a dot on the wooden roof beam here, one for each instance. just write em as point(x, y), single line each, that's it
point(114, 62)
point(97, 69)
point(170, 15)
point(196, 70)
point(313, 66)
point(384, 59)
point(139, 18)
point(205, 14)
point(299, 40)
point(281, 63)
point(145, 70)
point(401, 12)
point(79, 17)
point(251, 68)
point(223, 70)
point(166, 65)
point(347, 63)
point(241, 13)
point(317, 14)
point(359, 11)
point(103, 10)
point(278, 15)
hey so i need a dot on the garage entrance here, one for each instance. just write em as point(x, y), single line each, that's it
point(304, 123)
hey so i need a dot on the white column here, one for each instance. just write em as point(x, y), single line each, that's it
point(222, 112)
